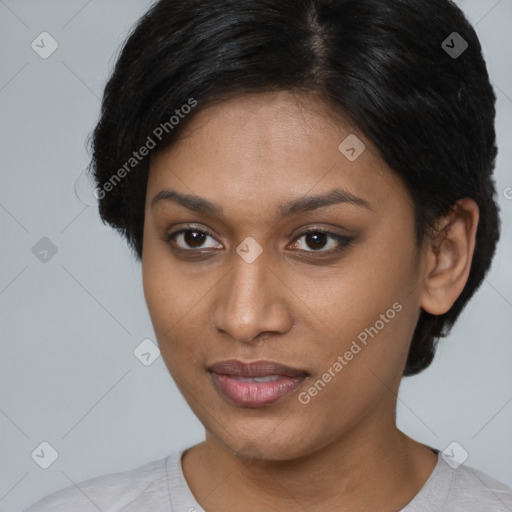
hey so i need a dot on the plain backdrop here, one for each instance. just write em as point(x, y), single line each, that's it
point(70, 324)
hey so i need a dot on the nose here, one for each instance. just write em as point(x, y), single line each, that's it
point(251, 301)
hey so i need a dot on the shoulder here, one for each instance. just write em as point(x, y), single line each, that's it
point(472, 489)
point(144, 485)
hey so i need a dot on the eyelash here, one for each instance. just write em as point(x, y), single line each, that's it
point(342, 240)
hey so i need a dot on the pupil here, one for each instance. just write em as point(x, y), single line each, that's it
point(316, 237)
point(194, 239)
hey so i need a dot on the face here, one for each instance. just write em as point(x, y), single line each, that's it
point(302, 256)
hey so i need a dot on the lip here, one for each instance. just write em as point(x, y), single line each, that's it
point(237, 368)
point(226, 374)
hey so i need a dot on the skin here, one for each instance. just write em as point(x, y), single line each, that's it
point(294, 304)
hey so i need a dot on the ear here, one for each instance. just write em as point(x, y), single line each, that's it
point(448, 257)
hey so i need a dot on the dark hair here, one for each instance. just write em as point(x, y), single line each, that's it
point(382, 65)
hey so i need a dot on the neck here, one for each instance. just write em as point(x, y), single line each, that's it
point(369, 468)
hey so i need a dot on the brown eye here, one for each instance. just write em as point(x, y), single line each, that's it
point(194, 238)
point(315, 240)
point(190, 239)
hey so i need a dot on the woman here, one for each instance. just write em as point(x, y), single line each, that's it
point(308, 186)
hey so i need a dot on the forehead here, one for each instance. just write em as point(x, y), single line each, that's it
point(266, 148)
point(265, 126)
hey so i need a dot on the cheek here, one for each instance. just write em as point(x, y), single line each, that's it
point(162, 295)
point(167, 295)
point(365, 312)
point(350, 297)
point(177, 306)
point(359, 371)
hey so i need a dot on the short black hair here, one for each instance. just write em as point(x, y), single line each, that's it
point(398, 70)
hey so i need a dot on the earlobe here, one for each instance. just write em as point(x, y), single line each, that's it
point(449, 256)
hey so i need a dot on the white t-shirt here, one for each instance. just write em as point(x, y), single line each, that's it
point(160, 486)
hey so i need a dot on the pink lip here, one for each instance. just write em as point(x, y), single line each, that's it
point(255, 394)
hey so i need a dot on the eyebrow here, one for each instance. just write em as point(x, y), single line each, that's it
point(295, 206)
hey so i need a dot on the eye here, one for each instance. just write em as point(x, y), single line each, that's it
point(191, 238)
point(318, 239)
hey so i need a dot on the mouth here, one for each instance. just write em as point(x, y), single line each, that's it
point(255, 384)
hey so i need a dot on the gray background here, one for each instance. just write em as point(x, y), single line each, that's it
point(69, 326)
